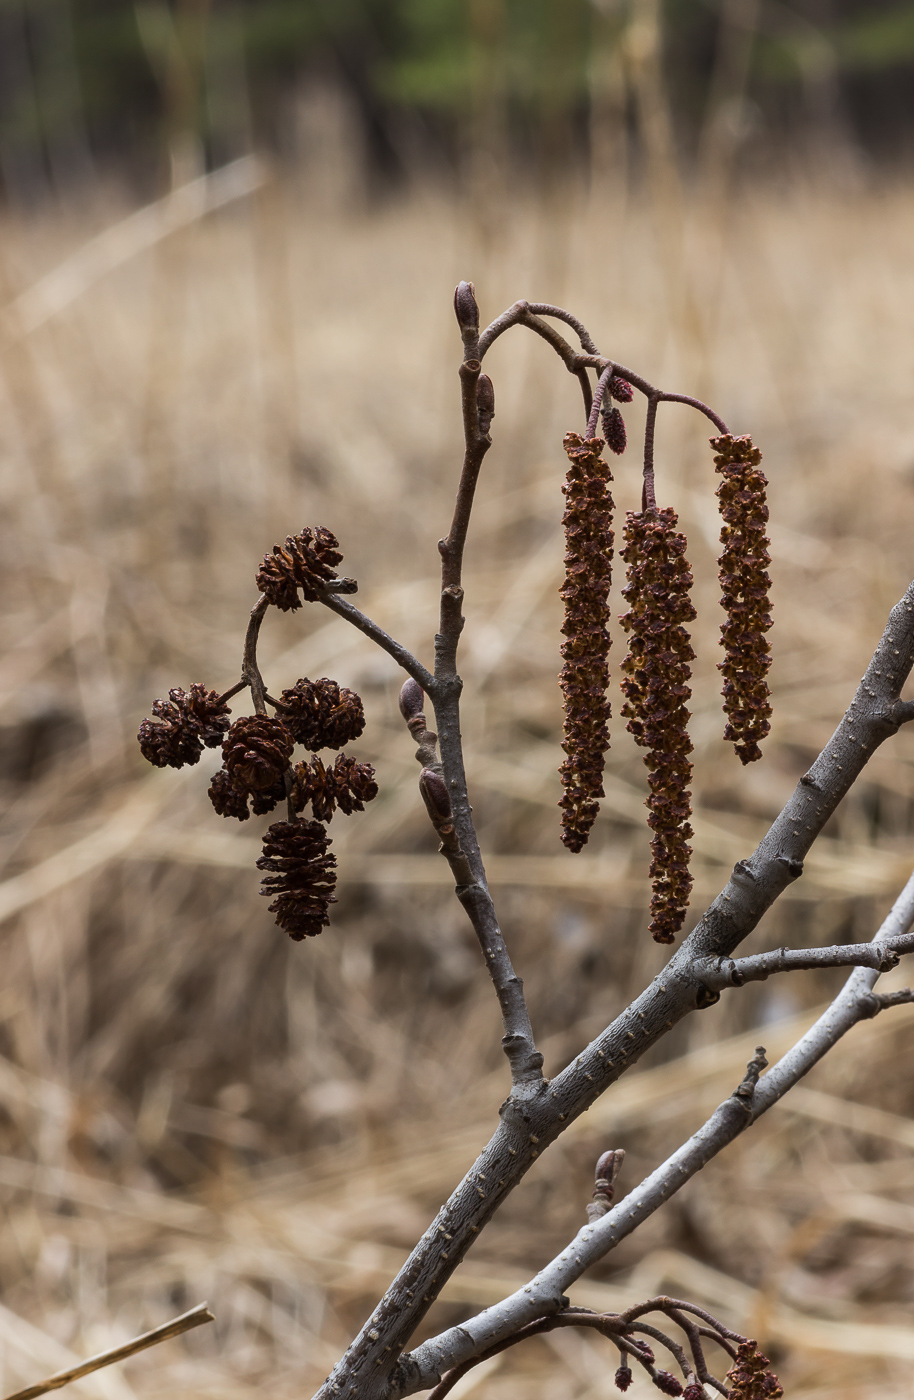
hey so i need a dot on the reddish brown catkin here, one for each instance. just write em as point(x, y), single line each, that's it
point(656, 690)
point(744, 594)
point(585, 675)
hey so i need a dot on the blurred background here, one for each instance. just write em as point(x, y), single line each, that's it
point(230, 235)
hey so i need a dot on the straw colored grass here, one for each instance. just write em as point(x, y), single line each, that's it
point(191, 1107)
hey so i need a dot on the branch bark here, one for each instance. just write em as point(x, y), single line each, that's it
point(544, 1295)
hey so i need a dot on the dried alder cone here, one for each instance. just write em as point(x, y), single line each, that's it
point(256, 753)
point(585, 675)
point(307, 561)
point(304, 878)
point(751, 1377)
point(744, 585)
point(187, 720)
point(656, 674)
point(231, 801)
point(322, 714)
point(348, 785)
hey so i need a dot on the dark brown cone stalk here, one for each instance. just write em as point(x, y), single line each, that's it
point(304, 877)
point(750, 1377)
point(256, 753)
point(585, 675)
point(307, 561)
point(321, 714)
point(655, 685)
point(348, 785)
point(187, 720)
point(744, 594)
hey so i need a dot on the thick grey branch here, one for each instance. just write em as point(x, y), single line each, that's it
point(544, 1294)
point(530, 1124)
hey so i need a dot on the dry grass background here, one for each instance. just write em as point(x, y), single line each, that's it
point(190, 1106)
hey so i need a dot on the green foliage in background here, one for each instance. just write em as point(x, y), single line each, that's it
point(109, 78)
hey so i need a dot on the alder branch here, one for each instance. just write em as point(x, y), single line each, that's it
point(544, 1294)
point(730, 972)
point(529, 1123)
point(376, 634)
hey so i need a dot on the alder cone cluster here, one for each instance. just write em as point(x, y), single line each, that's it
point(322, 714)
point(750, 1377)
point(656, 674)
point(744, 594)
point(304, 877)
point(187, 720)
point(585, 675)
point(307, 561)
point(347, 784)
point(256, 753)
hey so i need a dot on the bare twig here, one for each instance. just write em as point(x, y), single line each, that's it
point(195, 1318)
point(730, 972)
point(404, 658)
point(250, 671)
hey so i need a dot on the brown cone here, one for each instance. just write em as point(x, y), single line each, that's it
point(187, 721)
point(321, 714)
point(655, 685)
point(226, 798)
point(256, 753)
point(305, 562)
point(347, 785)
point(744, 594)
point(585, 674)
point(304, 878)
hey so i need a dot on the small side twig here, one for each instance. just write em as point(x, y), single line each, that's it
point(250, 671)
point(735, 972)
point(194, 1318)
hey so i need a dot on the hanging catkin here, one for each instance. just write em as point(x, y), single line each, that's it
point(655, 686)
point(744, 594)
point(585, 674)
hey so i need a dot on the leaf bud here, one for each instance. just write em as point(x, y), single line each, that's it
point(465, 308)
point(485, 402)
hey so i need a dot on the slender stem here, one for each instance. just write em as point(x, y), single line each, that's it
point(249, 669)
point(730, 972)
point(598, 395)
point(543, 308)
point(403, 658)
point(242, 685)
point(194, 1318)
point(648, 499)
point(696, 403)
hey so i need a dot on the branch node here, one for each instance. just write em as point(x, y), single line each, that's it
point(705, 997)
point(793, 866)
point(742, 870)
point(746, 1090)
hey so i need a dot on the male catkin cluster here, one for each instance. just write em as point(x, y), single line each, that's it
point(656, 674)
point(585, 675)
point(744, 594)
